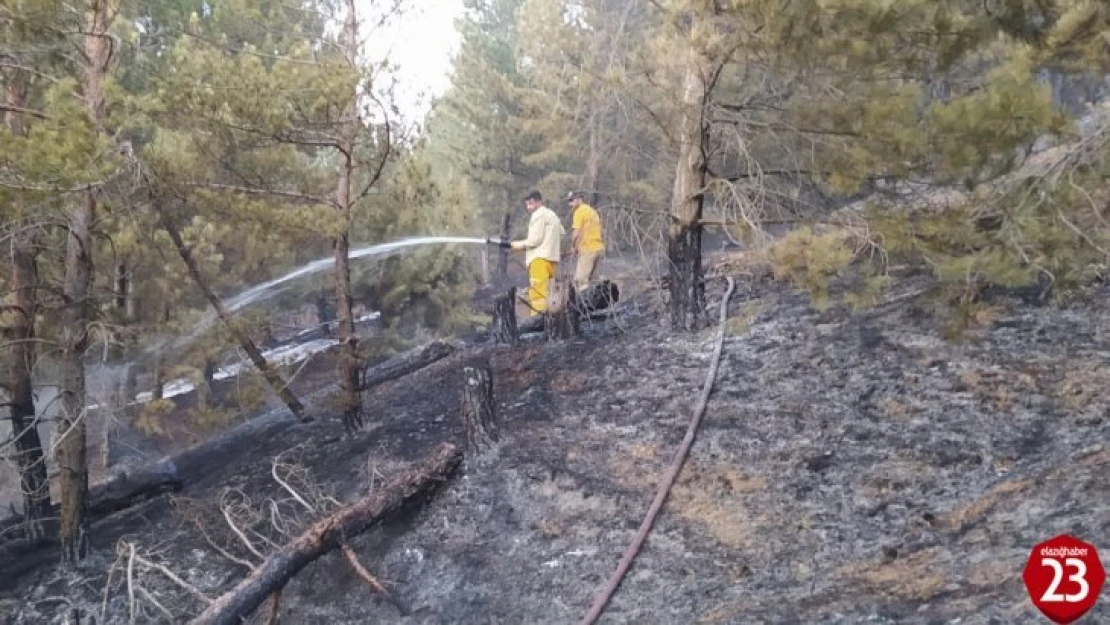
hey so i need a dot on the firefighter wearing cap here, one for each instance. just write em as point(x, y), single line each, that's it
point(585, 239)
point(542, 250)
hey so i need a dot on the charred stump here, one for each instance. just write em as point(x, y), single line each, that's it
point(592, 300)
point(596, 297)
point(478, 410)
point(504, 319)
point(561, 320)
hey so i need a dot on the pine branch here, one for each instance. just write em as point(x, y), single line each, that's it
point(313, 199)
point(7, 108)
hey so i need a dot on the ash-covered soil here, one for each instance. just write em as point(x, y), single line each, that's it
point(849, 469)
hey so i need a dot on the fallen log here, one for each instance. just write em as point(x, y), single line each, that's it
point(132, 486)
point(597, 297)
point(123, 490)
point(327, 535)
point(404, 364)
point(593, 299)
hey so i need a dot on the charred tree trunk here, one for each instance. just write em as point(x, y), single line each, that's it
point(478, 410)
point(593, 160)
point(687, 285)
point(327, 535)
point(158, 392)
point(561, 320)
point(324, 315)
point(503, 254)
point(687, 288)
point(206, 390)
point(72, 448)
point(19, 334)
point(273, 378)
point(77, 291)
point(130, 384)
point(504, 319)
point(123, 286)
point(159, 362)
point(349, 361)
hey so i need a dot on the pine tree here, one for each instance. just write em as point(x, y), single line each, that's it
point(479, 124)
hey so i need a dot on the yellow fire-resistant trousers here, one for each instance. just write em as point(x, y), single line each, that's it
point(540, 273)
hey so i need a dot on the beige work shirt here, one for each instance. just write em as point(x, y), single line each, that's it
point(545, 235)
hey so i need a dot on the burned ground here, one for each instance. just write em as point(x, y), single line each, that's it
point(849, 468)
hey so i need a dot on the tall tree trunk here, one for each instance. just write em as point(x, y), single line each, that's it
point(206, 388)
point(324, 315)
point(20, 338)
point(687, 289)
point(593, 160)
point(273, 378)
point(159, 362)
point(77, 291)
point(122, 287)
point(502, 253)
point(348, 358)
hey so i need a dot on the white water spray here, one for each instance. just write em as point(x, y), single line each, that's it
point(265, 290)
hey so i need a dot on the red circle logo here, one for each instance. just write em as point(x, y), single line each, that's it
point(1064, 577)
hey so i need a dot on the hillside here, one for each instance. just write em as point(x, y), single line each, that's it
point(849, 468)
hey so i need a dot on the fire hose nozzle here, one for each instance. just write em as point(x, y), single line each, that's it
point(504, 243)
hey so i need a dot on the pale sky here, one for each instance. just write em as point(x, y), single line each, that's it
point(422, 42)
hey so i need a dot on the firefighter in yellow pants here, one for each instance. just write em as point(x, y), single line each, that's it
point(542, 250)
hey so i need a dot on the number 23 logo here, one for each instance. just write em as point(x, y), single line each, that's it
point(1079, 577)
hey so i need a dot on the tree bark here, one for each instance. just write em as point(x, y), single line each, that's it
point(561, 320)
point(206, 388)
point(593, 159)
point(123, 285)
point(19, 334)
point(503, 254)
point(72, 449)
point(478, 409)
point(324, 315)
point(504, 319)
point(349, 360)
point(273, 378)
point(327, 535)
point(159, 361)
point(77, 294)
point(687, 288)
point(158, 392)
